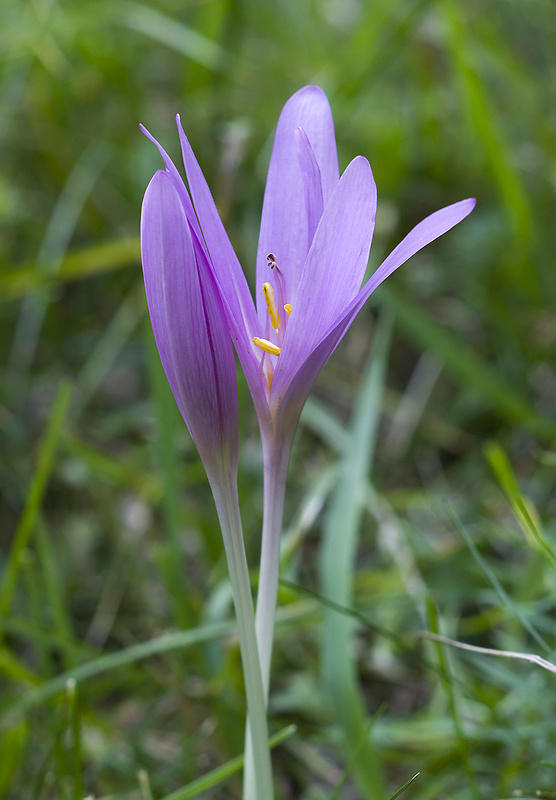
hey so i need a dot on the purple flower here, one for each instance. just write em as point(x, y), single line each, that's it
point(189, 324)
point(315, 238)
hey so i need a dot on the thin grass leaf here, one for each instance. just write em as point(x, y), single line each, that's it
point(522, 507)
point(220, 774)
point(490, 133)
point(145, 785)
point(12, 747)
point(446, 678)
point(174, 34)
point(497, 586)
point(53, 583)
point(337, 566)
point(404, 787)
point(76, 265)
point(109, 346)
point(37, 488)
point(60, 228)
point(74, 730)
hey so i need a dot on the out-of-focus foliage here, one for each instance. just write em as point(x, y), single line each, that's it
point(108, 536)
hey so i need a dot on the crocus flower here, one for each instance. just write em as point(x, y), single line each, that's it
point(191, 333)
point(314, 243)
point(189, 326)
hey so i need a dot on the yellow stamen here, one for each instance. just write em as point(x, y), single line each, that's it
point(271, 306)
point(288, 308)
point(267, 346)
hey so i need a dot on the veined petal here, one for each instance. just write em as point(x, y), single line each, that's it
point(297, 390)
point(227, 272)
point(284, 227)
point(189, 326)
point(178, 183)
point(312, 183)
point(425, 232)
point(227, 268)
point(334, 267)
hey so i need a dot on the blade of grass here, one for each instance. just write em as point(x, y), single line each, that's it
point(52, 582)
point(521, 506)
point(34, 593)
point(145, 785)
point(337, 566)
point(76, 265)
point(404, 787)
point(223, 772)
point(497, 586)
point(34, 497)
point(171, 32)
point(489, 133)
point(446, 678)
point(74, 728)
point(12, 747)
point(109, 346)
point(60, 228)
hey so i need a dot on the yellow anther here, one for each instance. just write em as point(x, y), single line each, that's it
point(288, 308)
point(271, 306)
point(267, 346)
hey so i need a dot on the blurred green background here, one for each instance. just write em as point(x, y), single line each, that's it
point(422, 485)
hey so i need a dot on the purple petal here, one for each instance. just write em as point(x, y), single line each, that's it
point(334, 268)
point(312, 182)
point(423, 233)
point(295, 393)
point(178, 183)
point(228, 274)
point(189, 326)
point(284, 225)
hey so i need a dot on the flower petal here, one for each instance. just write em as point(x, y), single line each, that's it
point(297, 390)
point(334, 267)
point(178, 183)
point(423, 233)
point(312, 182)
point(228, 274)
point(189, 326)
point(284, 225)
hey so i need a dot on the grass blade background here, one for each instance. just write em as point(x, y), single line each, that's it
point(337, 562)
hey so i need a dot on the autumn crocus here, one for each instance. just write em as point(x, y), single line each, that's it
point(314, 243)
point(191, 333)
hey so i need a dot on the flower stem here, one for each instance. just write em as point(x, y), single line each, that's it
point(276, 458)
point(258, 781)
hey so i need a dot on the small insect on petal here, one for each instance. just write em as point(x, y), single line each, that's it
point(267, 346)
point(271, 306)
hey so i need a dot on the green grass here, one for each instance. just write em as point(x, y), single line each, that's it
point(421, 492)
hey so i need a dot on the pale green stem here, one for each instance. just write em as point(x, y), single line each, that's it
point(276, 458)
point(258, 782)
